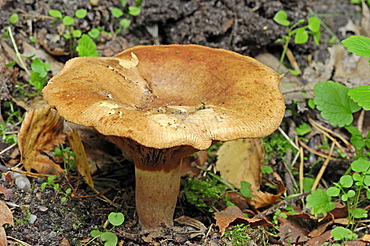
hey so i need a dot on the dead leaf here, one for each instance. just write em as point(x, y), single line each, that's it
point(319, 240)
point(366, 238)
point(261, 199)
point(290, 232)
point(241, 160)
point(6, 217)
point(185, 220)
point(41, 130)
point(232, 214)
point(80, 159)
point(8, 194)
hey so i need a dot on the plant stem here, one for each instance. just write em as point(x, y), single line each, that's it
point(19, 56)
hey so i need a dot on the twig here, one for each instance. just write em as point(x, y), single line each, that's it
point(18, 241)
point(301, 169)
point(293, 61)
point(287, 138)
point(17, 51)
point(315, 151)
point(325, 131)
point(323, 168)
point(7, 148)
point(360, 121)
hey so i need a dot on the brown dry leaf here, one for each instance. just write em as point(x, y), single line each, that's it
point(241, 160)
point(261, 199)
point(6, 217)
point(80, 159)
point(8, 194)
point(41, 130)
point(290, 231)
point(233, 213)
point(366, 238)
point(319, 240)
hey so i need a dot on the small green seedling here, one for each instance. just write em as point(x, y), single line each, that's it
point(238, 235)
point(68, 157)
point(298, 30)
point(125, 17)
point(50, 182)
point(86, 46)
point(108, 237)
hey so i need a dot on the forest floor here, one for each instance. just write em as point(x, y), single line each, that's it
point(51, 216)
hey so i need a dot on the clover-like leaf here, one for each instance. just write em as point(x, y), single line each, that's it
point(346, 181)
point(333, 191)
point(301, 36)
point(358, 44)
point(314, 24)
point(116, 219)
point(335, 104)
point(361, 95)
point(361, 165)
point(281, 17)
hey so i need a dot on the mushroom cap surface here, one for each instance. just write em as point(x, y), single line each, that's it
point(170, 95)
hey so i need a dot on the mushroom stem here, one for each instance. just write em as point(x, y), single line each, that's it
point(156, 197)
point(157, 174)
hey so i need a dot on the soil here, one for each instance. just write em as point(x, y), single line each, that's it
point(242, 26)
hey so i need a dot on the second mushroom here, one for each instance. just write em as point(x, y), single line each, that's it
point(162, 103)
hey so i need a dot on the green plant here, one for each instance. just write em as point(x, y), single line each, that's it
point(68, 157)
point(14, 116)
point(125, 17)
point(108, 237)
point(337, 103)
point(50, 182)
point(86, 46)
point(238, 235)
point(296, 30)
point(359, 1)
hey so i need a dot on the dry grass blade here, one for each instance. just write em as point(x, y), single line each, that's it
point(314, 151)
point(323, 168)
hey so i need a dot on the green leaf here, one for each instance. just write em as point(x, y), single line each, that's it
point(86, 46)
point(81, 13)
point(245, 189)
point(281, 17)
point(133, 10)
point(357, 141)
point(109, 238)
point(333, 191)
point(361, 95)
point(346, 181)
point(303, 129)
point(95, 233)
point(116, 219)
point(55, 13)
point(335, 104)
point(361, 165)
point(11, 64)
point(366, 180)
point(125, 23)
point(354, 131)
point(316, 37)
point(13, 18)
point(94, 33)
point(301, 36)
point(358, 44)
point(68, 20)
point(341, 233)
point(359, 213)
point(307, 184)
point(116, 12)
point(320, 202)
point(76, 33)
point(314, 24)
point(123, 3)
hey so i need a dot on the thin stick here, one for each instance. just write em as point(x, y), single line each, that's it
point(7, 148)
point(301, 169)
point(325, 131)
point(315, 151)
point(360, 122)
point(293, 61)
point(18, 241)
point(287, 138)
point(323, 168)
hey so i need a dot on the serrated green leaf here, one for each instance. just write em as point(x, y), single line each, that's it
point(301, 36)
point(320, 202)
point(332, 99)
point(358, 44)
point(361, 95)
point(81, 13)
point(341, 233)
point(314, 24)
point(116, 219)
point(68, 20)
point(55, 13)
point(86, 46)
point(361, 165)
point(281, 17)
point(13, 18)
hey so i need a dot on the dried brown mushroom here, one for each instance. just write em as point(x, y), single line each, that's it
point(162, 103)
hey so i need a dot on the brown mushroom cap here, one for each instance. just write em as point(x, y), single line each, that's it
point(170, 95)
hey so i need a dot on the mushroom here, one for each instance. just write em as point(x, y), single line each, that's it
point(162, 103)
